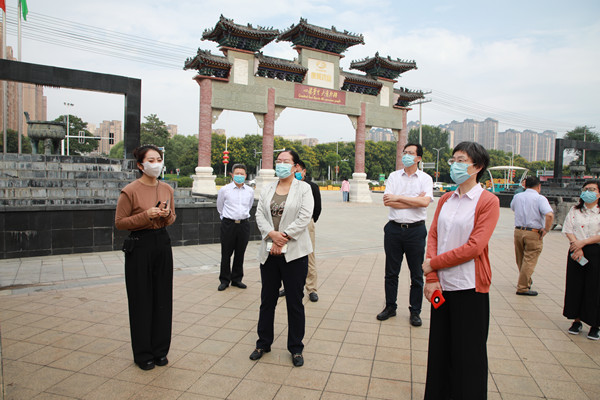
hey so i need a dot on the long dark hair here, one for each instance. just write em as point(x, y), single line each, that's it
point(588, 182)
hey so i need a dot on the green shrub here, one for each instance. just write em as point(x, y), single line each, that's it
point(185, 181)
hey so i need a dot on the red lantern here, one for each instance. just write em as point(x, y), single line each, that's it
point(225, 157)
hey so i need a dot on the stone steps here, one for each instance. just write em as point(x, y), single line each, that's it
point(39, 180)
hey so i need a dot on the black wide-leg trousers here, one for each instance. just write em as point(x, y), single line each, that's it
point(234, 240)
point(149, 283)
point(293, 275)
point(457, 364)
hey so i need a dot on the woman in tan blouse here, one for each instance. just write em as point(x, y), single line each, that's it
point(582, 228)
point(145, 208)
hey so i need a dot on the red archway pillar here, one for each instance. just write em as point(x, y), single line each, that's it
point(267, 171)
point(204, 180)
point(359, 186)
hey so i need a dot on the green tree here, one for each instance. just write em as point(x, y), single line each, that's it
point(12, 144)
point(154, 131)
point(78, 125)
point(117, 150)
point(592, 158)
point(433, 137)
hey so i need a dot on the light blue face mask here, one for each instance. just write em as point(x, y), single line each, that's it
point(239, 179)
point(458, 172)
point(408, 160)
point(298, 175)
point(283, 170)
point(588, 196)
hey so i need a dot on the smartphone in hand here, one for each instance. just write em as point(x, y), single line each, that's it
point(437, 299)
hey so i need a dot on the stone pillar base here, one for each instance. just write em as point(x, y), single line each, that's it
point(264, 178)
point(204, 181)
point(359, 188)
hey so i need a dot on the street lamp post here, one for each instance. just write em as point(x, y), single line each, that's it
point(62, 152)
point(336, 159)
point(512, 154)
point(437, 163)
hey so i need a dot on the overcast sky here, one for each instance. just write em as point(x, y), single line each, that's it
point(531, 64)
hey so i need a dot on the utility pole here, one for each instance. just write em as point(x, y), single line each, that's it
point(420, 103)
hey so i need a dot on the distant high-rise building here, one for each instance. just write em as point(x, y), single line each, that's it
point(380, 135)
point(306, 141)
point(111, 133)
point(485, 132)
point(34, 101)
point(172, 129)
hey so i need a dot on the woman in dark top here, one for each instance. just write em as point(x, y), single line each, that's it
point(145, 208)
point(283, 213)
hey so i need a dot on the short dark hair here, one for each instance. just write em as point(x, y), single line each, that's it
point(295, 156)
point(139, 153)
point(417, 145)
point(531, 182)
point(588, 182)
point(477, 153)
point(301, 164)
point(239, 166)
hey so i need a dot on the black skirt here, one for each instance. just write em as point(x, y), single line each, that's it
point(582, 292)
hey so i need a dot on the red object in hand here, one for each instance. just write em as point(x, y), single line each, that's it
point(437, 299)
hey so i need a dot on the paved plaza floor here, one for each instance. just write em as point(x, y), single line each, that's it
point(65, 332)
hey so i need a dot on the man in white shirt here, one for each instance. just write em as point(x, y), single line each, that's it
point(533, 219)
point(408, 193)
point(234, 202)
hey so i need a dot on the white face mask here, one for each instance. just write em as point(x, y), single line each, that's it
point(153, 169)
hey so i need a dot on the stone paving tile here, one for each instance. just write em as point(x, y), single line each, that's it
point(71, 339)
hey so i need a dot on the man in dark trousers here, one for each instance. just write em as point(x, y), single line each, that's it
point(311, 277)
point(234, 202)
point(407, 194)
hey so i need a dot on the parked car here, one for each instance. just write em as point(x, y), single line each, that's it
point(439, 185)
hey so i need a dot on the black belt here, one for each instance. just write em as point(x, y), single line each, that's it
point(524, 228)
point(410, 225)
point(237, 221)
point(144, 232)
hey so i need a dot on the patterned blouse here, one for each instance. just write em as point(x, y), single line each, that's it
point(582, 223)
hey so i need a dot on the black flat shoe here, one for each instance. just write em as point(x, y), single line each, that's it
point(282, 293)
point(161, 361)
point(146, 365)
point(222, 287)
point(298, 360)
point(258, 353)
point(239, 284)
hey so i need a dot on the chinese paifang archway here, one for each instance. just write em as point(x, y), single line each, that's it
point(245, 79)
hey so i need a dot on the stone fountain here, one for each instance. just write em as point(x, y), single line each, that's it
point(48, 133)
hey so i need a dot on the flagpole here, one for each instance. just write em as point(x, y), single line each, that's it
point(20, 88)
point(4, 94)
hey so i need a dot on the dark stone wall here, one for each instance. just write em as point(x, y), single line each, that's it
point(47, 230)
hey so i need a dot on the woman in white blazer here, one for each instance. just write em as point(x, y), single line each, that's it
point(282, 215)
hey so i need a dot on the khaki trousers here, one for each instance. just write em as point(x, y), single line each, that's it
point(528, 247)
point(311, 278)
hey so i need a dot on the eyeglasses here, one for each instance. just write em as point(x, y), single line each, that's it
point(284, 162)
point(410, 153)
point(459, 160)
point(589, 189)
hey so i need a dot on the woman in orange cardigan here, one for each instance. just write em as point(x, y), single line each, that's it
point(457, 264)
